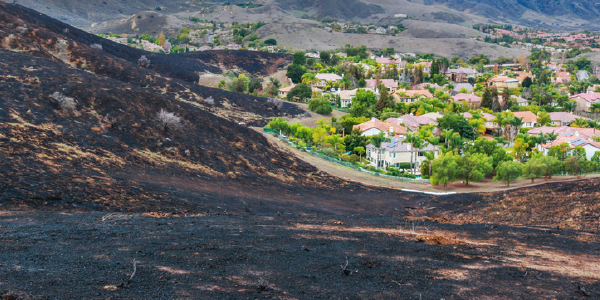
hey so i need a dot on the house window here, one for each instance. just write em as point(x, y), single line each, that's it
point(588, 104)
point(394, 155)
point(528, 125)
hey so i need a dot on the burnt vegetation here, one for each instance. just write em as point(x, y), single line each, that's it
point(194, 193)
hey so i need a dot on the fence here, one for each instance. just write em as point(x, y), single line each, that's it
point(344, 163)
point(357, 168)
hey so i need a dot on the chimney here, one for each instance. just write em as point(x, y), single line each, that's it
point(398, 121)
point(373, 119)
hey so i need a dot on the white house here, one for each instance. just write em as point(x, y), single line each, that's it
point(574, 140)
point(395, 152)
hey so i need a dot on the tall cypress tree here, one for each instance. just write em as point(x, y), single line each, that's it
point(486, 99)
point(505, 99)
point(495, 102)
point(385, 100)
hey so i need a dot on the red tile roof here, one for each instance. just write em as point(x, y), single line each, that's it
point(413, 93)
point(383, 126)
point(526, 116)
point(468, 97)
point(589, 97)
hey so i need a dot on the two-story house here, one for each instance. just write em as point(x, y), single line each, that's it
point(395, 152)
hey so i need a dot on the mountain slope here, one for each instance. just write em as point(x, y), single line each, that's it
point(557, 14)
point(27, 31)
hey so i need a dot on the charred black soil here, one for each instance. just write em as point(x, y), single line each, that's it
point(209, 209)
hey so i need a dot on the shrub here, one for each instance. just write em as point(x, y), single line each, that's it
point(96, 46)
point(168, 120)
point(64, 103)
point(144, 62)
point(320, 105)
point(346, 157)
point(210, 101)
point(274, 103)
point(329, 152)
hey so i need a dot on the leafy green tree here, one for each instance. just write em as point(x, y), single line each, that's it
point(320, 105)
point(533, 169)
point(561, 151)
point(270, 42)
point(444, 169)
point(295, 72)
point(551, 165)
point(301, 91)
point(364, 97)
point(500, 155)
point(355, 140)
point(483, 145)
point(319, 135)
point(325, 56)
point(361, 110)
point(520, 148)
point(299, 58)
point(574, 165)
point(389, 114)
point(596, 158)
point(362, 83)
point(579, 151)
point(304, 133)
point(243, 82)
point(527, 82)
point(254, 84)
point(543, 118)
point(348, 122)
point(280, 125)
point(508, 171)
point(457, 123)
point(473, 167)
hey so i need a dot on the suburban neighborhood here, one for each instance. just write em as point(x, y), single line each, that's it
point(445, 119)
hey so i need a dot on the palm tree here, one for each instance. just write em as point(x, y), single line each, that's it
point(593, 124)
point(335, 140)
point(570, 106)
point(500, 121)
point(580, 123)
point(477, 121)
point(516, 123)
point(419, 143)
point(454, 107)
point(447, 134)
point(409, 138)
point(434, 141)
point(595, 107)
point(430, 156)
point(539, 140)
point(309, 78)
point(501, 140)
point(551, 136)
